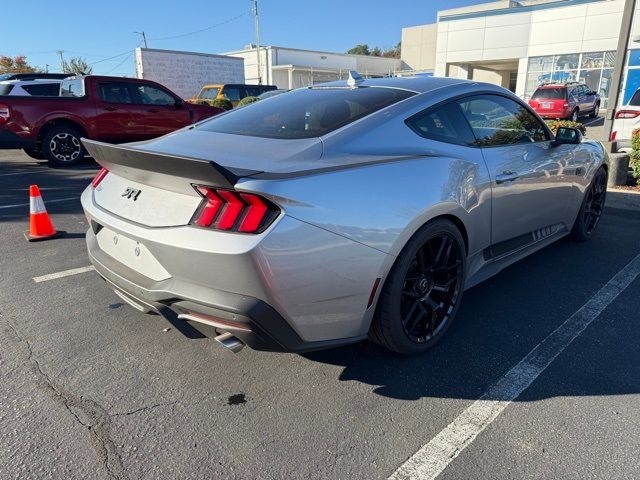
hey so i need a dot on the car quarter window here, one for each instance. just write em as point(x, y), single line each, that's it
point(444, 124)
point(43, 89)
point(497, 120)
point(154, 96)
point(115, 92)
point(232, 93)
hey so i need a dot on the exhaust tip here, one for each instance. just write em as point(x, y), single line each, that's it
point(230, 342)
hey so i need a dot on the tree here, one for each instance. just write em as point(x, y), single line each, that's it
point(17, 64)
point(77, 65)
point(393, 52)
point(376, 52)
point(362, 49)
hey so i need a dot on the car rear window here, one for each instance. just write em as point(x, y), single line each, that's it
point(550, 93)
point(305, 113)
point(5, 89)
point(635, 100)
point(43, 89)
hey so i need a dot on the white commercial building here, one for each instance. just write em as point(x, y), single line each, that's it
point(293, 68)
point(520, 44)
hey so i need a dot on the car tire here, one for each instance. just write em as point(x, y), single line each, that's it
point(575, 115)
point(33, 153)
point(62, 147)
point(596, 111)
point(423, 290)
point(591, 209)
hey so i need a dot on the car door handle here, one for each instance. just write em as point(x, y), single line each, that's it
point(110, 109)
point(506, 177)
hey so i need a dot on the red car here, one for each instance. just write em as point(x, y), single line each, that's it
point(110, 109)
point(565, 100)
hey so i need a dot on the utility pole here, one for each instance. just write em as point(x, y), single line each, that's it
point(46, 68)
point(144, 38)
point(256, 22)
point(61, 52)
point(618, 69)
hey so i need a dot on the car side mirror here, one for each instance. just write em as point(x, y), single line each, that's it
point(568, 136)
point(179, 103)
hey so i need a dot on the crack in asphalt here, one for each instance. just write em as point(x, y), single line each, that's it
point(97, 421)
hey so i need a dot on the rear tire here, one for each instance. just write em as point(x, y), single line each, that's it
point(33, 153)
point(575, 115)
point(423, 290)
point(591, 208)
point(62, 147)
point(596, 111)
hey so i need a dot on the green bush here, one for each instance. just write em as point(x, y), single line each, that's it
point(634, 158)
point(554, 124)
point(247, 101)
point(222, 103)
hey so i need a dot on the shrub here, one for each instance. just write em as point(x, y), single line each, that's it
point(554, 124)
point(634, 158)
point(222, 103)
point(247, 101)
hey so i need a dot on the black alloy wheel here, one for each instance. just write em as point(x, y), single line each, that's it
point(592, 207)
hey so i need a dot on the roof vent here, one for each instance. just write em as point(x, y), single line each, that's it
point(355, 79)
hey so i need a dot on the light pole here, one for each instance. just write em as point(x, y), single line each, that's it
point(256, 22)
point(61, 52)
point(144, 38)
point(618, 69)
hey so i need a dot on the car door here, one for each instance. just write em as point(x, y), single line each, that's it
point(164, 112)
point(585, 104)
point(529, 181)
point(118, 118)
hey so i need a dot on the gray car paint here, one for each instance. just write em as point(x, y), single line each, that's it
point(350, 202)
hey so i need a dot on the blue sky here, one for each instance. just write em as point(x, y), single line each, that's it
point(98, 30)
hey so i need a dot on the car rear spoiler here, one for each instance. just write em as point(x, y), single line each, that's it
point(170, 172)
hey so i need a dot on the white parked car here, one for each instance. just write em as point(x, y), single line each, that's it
point(626, 121)
point(36, 87)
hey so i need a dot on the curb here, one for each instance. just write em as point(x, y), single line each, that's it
point(624, 199)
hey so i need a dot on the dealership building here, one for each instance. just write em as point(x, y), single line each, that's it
point(521, 44)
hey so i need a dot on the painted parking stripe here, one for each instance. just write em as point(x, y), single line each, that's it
point(15, 205)
point(435, 456)
point(26, 172)
point(64, 273)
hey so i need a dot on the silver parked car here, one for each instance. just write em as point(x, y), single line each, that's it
point(338, 212)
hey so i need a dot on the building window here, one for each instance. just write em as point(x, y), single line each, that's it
point(592, 68)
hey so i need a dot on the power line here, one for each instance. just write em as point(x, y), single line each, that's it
point(202, 29)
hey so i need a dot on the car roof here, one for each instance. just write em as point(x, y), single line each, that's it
point(417, 83)
point(31, 81)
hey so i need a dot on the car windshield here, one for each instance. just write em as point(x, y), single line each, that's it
point(305, 113)
point(550, 93)
point(635, 100)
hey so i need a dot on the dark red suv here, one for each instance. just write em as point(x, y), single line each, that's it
point(565, 100)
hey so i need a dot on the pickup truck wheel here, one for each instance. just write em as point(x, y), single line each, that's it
point(596, 111)
point(62, 146)
point(33, 153)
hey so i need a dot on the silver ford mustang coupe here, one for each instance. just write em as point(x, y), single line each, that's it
point(333, 213)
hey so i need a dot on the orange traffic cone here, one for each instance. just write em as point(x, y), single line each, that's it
point(40, 226)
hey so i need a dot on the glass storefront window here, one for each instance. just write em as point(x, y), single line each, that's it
point(609, 59)
point(592, 60)
point(591, 78)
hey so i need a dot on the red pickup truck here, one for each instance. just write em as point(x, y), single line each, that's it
point(110, 109)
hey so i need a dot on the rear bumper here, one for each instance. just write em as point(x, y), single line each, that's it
point(11, 140)
point(554, 115)
point(251, 320)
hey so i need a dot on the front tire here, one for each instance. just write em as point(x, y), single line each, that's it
point(423, 291)
point(591, 208)
point(62, 147)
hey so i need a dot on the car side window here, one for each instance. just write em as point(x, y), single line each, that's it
point(497, 120)
point(232, 93)
point(115, 92)
point(444, 124)
point(43, 89)
point(154, 96)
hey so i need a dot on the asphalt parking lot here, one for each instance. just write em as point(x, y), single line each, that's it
point(91, 388)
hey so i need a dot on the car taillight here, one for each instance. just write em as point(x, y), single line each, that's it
point(5, 113)
point(99, 177)
point(613, 136)
point(627, 113)
point(233, 211)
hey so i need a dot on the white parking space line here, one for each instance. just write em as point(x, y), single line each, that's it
point(48, 201)
point(26, 172)
point(64, 273)
point(435, 456)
